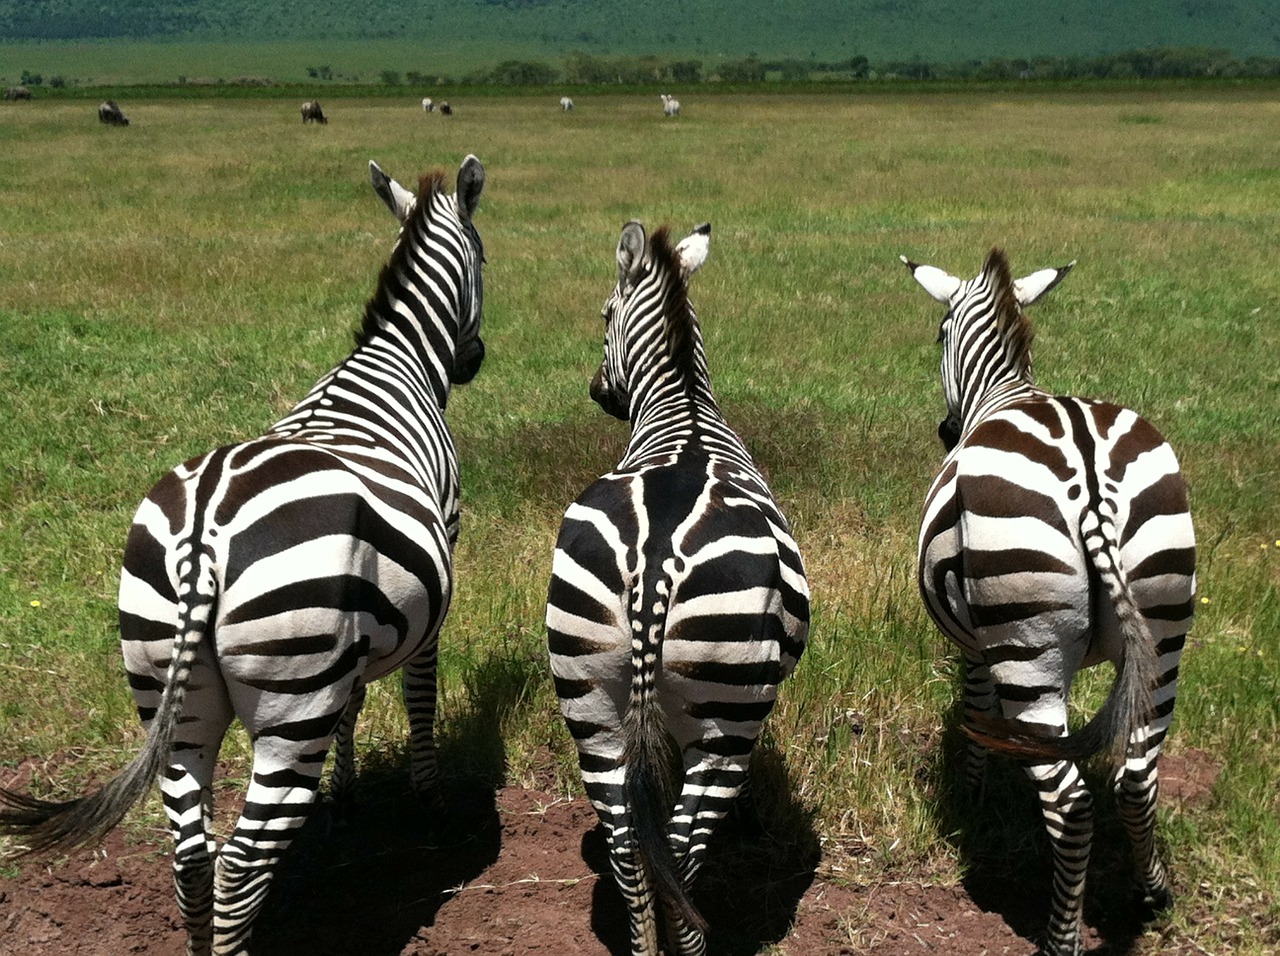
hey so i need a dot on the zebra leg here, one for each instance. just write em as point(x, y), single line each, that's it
point(712, 785)
point(605, 789)
point(418, 683)
point(1067, 806)
point(1137, 783)
point(344, 763)
point(187, 791)
point(285, 781)
point(979, 698)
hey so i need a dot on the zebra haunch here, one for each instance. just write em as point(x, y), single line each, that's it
point(1056, 536)
point(272, 580)
point(677, 603)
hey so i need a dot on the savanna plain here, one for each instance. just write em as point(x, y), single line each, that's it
point(178, 284)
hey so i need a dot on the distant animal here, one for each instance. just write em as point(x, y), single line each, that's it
point(670, 105)
point(111, 114)
point(566, 104)
point(1056, 536)
point(677, 603)
point(427, 105)
point(272, 580)
point(17, 93)
point(446, 109)
point(312, 113)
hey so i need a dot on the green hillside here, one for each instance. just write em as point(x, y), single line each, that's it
point(934, 30)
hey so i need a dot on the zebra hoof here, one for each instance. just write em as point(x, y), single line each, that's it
point(1153, 901)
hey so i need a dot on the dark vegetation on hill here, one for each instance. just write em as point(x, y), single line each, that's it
point(932, 31)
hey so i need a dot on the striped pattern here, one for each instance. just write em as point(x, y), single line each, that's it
point(1056, 536)
point(272, 580)
point(677, 603)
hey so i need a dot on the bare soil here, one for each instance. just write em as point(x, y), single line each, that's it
point(519, 872)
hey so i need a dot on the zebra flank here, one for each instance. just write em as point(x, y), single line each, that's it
point(677, 602)
point(1057, 535)
point(270, 581)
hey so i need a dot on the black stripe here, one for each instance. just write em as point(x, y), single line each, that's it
point(988, 564)
point(342, 592)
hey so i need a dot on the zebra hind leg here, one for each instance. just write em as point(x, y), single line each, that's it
point(342, 784)
point(418, 683)
point(186, 789)
point(979, 699)
point(282, 791)
point(1068, 813)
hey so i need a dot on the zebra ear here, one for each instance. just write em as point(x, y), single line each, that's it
point(398, 199)
point(630, 253)
point(941, 285)
point(692, 250)
point(1033, 287)
point(470, 186)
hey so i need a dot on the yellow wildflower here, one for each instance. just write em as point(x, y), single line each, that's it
point(35, 603)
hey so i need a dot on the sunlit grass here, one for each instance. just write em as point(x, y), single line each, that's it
point(177, 284)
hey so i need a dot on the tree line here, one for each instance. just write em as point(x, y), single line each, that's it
point(587, 69)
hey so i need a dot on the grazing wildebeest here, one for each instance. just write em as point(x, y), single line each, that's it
point(111, 114)
point(670, 105)
point(446, 109)
point(566, 104)
point(427, 105)
point(17, 93)
point(312, 113)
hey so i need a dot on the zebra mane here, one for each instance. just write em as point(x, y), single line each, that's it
point(681, 324)
point(430, 185)
point(1012, 323)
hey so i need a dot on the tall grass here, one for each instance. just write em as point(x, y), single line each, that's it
point(178, 284)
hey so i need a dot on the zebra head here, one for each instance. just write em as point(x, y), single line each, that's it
point(985, 336)
point(448, 219)
point(651, 331)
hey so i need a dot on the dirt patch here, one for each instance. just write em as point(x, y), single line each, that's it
point(526, 873)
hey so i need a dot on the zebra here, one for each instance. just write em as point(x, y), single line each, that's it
point(446, 109)
point(1057, 535)
point(312, 113)
point(677, 602)
point(566, 104)
point(670, 105)
point(272, 580)
point(109, 112)
point(427, 105)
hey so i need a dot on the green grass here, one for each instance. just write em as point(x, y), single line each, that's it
point(177, 284)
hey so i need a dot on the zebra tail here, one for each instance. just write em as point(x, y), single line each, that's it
point(1129, 703)
point(648, 788)
point(44, 826)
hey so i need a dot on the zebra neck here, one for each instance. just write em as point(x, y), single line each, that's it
point(680, 425)
point(422, 348)
point(978, 407)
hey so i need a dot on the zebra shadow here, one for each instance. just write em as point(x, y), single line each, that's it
point(1005, 851)
point(370, 885)
point(754, 876)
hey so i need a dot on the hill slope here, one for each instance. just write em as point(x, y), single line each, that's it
point(936, 30)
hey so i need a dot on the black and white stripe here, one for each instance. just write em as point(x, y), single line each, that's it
point(272, 580)
point(677, 603)
point(1056, 536)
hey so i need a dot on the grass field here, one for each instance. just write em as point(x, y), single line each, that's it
point(178, 284)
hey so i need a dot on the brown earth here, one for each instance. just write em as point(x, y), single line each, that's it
point(526, 873)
